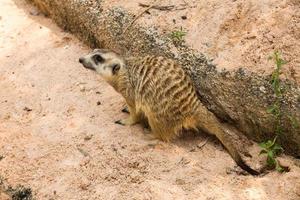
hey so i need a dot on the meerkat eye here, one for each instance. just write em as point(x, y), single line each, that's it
point(98, 59)
point(115, 68)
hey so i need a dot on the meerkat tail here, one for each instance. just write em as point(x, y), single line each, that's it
point(234, 152)
point(216, 129)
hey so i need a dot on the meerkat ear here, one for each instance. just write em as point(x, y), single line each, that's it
point(115, 68)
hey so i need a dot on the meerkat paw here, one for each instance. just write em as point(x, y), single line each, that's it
point(125, 110)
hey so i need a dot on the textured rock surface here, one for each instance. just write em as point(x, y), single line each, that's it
point(239, 97)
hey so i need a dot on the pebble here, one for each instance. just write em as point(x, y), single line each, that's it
point(262, 89)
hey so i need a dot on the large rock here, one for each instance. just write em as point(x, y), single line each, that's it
point(239, 97)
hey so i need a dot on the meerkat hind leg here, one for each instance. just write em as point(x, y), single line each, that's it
point(161, 129)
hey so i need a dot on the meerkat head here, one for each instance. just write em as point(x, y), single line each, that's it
point(105, 62)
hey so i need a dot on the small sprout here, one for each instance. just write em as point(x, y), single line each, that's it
point(178, 35)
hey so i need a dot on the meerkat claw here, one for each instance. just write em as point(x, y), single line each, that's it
point(119, 122)
point(125, 110)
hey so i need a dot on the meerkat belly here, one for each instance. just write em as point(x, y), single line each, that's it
point(164, 89)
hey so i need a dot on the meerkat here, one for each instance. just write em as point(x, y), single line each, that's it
point(160, 93)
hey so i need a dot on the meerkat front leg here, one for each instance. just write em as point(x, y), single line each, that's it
point(131, 120)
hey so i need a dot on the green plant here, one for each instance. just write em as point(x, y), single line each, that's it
point(178, 35)
point(270, 147)
point(278, 89)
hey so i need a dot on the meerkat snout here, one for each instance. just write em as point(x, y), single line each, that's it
point(87, 63)
point(81, 60)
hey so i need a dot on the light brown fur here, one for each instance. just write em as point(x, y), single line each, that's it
point(157, 89)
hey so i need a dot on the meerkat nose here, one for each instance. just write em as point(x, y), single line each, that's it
point(81, 60)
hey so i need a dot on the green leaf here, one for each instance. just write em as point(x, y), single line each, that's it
point(271, 162)
point(278, 167)
point(262, 145)
point(269, 144)
point(277, 149)
point(270, 154)
point(271, 110)
point(263, 151)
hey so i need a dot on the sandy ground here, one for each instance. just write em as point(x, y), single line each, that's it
point(233, 33)
point(58, 137)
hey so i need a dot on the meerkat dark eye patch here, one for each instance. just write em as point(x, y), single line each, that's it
point(115, 68)
point(98, 59)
